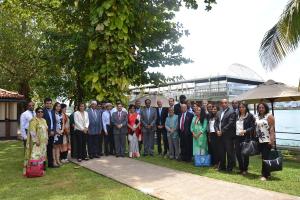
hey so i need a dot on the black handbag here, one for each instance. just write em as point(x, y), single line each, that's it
point(249, 147)
point(275, 160)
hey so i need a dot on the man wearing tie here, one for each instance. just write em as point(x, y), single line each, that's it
point(119, 121)
point(148, 120)
point(49, 116)
point(94, 131)
point(225, 128)
point(162, 114)
point(186, 140)
point(25, 119)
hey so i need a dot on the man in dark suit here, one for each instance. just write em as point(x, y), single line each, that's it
point(162, 114)
point(49, 116)
point(225, 127)
point(186, 139)
point(94, 132)
point(148, 120)
point(119, 121)
point(177, 107)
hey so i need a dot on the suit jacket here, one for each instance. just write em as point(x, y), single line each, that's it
point(161, 120)
point(249, 124)
point(187, 123)
point(177, 109)
point(115, 120)
point(152, 118)
point(48, 120)
point(95, 125)
point(228, 123)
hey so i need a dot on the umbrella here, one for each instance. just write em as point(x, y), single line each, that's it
point(154, 98)
point(271, 91)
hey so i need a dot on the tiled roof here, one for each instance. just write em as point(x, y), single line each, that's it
point(4, 94)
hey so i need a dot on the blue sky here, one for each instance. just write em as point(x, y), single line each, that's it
point(231, 33)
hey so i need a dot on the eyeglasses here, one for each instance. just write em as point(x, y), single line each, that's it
point(40, 111)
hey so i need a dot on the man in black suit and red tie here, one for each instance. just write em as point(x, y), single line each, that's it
point(162, 114)
point(186, 139)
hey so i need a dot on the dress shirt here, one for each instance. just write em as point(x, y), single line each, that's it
point(50, 115)
point(24, 122)
point(138, 110)
point(106, 116)
point(222, 115)
point(81, 122)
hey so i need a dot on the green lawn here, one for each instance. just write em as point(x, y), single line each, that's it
point(286, 181)
point(66, 182)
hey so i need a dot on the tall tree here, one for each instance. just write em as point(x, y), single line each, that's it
point(283, 38)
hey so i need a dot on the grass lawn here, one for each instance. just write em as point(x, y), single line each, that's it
point(66, 182)
point(286, 181)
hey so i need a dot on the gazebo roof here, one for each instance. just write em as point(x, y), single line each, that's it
point(5, 94)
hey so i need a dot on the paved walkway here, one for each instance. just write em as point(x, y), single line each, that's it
point(165, 183)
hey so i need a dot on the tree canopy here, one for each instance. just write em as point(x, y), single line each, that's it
point(89, 48)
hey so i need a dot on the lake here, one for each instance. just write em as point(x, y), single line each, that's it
point(287, 121)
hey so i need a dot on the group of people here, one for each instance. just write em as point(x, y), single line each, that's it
point(182, 131)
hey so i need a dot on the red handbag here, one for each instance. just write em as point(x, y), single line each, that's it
point(35, 168)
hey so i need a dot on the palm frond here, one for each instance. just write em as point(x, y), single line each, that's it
point(283, 38)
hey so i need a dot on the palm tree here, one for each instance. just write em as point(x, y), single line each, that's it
point(283, 38)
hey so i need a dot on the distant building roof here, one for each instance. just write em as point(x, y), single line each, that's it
point(242, 72)
point(5, 94)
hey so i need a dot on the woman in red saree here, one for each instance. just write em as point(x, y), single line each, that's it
point(134, 132)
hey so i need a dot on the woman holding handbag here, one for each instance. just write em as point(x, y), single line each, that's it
point(133, 132)
point(265, 130)
point(245, 126)
point(36, 146)
point(198, 129)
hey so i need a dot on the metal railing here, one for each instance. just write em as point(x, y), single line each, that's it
point(286, 139)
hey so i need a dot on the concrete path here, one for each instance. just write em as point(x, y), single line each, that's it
point(165, 183)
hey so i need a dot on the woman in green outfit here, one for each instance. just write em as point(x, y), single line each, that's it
point(198, 129)
point(37, 139)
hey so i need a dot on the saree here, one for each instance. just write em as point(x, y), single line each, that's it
point(133, 137)
point(37, 132)
point(200, 146)
point(66, 145)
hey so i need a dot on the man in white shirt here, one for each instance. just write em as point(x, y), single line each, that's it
point(25, 119)
point(108, 131)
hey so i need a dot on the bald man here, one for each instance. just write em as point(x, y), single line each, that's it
point(225, 128)
point(162, 114)
point(186, 140)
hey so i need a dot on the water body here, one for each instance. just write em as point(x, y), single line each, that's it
point(287, 121)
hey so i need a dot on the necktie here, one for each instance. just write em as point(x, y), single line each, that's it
point(148, 113)
point(109, 117)
point(32, 113)
point(182, 123)
point(119, 115)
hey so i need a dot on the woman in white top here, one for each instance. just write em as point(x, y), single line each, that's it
point(213, 138)
point(265, 131)
point(245, 127)
point(81, 120)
